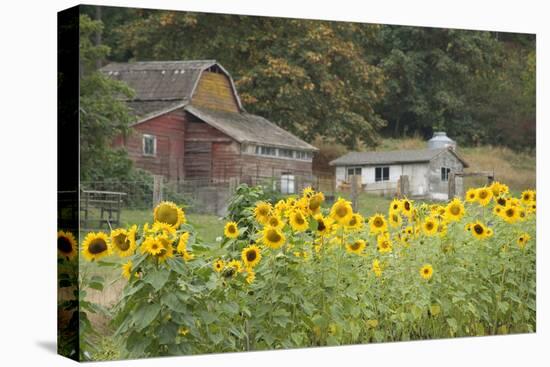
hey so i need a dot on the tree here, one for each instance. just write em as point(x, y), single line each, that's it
point(103, 116)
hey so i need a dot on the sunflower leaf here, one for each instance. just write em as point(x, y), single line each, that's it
point(145, 314)
point(157, 278)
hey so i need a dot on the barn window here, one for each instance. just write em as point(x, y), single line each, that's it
point(149, 145)
point(303, 155)
point(286, 153)
point(445, 173)
point(266, 150)
point(381, 174)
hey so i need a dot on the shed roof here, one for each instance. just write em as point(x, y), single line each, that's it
point(248, 128)
point(393, 157)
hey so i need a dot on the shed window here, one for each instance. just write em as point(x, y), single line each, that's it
point(266, 150)
point(445, 173)
point(354, 171)
point(381, 174)
point(149, 145)
point(287, 183)
point(286, 153)
point(303, 155)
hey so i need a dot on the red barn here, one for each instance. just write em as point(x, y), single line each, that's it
point(191, 125)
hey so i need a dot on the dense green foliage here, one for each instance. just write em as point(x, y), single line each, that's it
point(351, 82)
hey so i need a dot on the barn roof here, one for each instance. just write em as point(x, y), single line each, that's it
point(247, 128)
point(162, 81)
point(392, 157)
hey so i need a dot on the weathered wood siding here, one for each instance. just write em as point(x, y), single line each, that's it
point(169, 130)
point(214, 91)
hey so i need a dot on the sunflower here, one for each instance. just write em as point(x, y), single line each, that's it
point(159, 228)
point(298, 222)
point(341, 211)
point(151, 246)
point(95, 246)
point(356, 247)
point(127, 269)
point(430, 226)
point(262, 211)
point(384, 243)
point(376, 268)
point(308, 191)
point(484, 195)
point(471, 195)
point(231, 230)
point(409, 230)
point(66, 245)
point(500, 200)
point(377, 224)
point(528, 196)
point(251, 256)
point(280, 208)
point(407, 208)
point(167, 250)
point(498, 210)
point(124, 241)
point(275, 222)
point(324, 225)
point(426, 271)
point(233, 267)
point(219, 265)
point(169, 213)
point(251, 276)
point(523, 239)
point(356, 222)
point(454, 210)
point(272, 237)
point(498, 188)
point(478, 230)
point(395, 206)
point(315, 202)
point(182, 243)
point(510, 214)
point(522, 214)
point(395, 219)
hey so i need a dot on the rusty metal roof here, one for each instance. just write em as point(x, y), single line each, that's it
point(392, 157)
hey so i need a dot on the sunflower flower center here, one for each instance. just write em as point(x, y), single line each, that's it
point(251, 255)
point(97, 246)
point(341, 211)
point(378, 222)
point(510, 213)
point(273, 236)
point(478, 229)
point(355, 246)
point(231, 229)
point(353, 221)
point(299, 219)
point(167, 214)
point(483, 194)
point(121, 241)
point(429, 226)
point(321, 225)
point(407, 205)
point(64, 245)
point(455, 210)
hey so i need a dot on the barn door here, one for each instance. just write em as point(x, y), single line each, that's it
point(197, 162)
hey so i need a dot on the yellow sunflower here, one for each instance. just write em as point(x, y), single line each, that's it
point(251, 256)
point(169, 213)
point(167, 250)
point(430, 226)
point(376, 268)
point(377, 224)
point(272, 237)
point(522, 214)
point(95, 246)
point(262, 211)
point(523, 239)
point(454, 210)
point(395, 219)
point(384, 243)
point(315, 202)
point(478, 230)
point(498, 188)
point(500, 200)
point(308, 191)
point(341, 211)
point(234, 266)
point(407, 208)
point(127, 269)
point(395, 206)
point(484, 195)
point(471, 195)
point(231, 230)
point(280, 208)
point(498, 210)
point(182, 243)
point(275, 222)
point(124, 241)
point(510, 214)
point(66, 245)
point(528, 196)
point(298, 222)
point(151, 246)
point(356, 247)
point(251, 276)
point(219, 265)
point(324, 225)
point(356, 222)
point(426, 271)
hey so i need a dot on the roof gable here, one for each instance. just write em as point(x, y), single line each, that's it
point(393, 157)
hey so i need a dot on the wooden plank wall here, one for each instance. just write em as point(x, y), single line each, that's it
point(214, 91)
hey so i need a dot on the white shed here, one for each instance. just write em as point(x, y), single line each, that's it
point(427, 170)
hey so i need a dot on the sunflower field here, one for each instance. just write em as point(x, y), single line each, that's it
point(300, 273)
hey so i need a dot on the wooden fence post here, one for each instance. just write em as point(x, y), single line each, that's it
point(452, 185)
point(355, 191)
point(157, 189)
